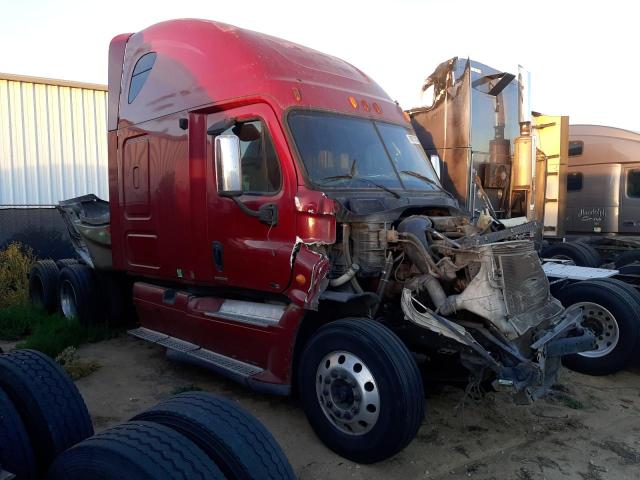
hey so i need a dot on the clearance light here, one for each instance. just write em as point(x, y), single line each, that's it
point(406, 116)
point(377, 108)
point(365, 106)
point(296, 94)
point(301, 279)
point(353, 102)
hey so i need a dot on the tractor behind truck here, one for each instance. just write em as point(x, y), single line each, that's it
point(274, 218)
point(497, 157)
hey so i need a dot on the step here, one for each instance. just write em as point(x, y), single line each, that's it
point(192, 352)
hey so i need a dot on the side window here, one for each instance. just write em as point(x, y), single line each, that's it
point(574, 181)
point(575, 148)
point(260, 166)
point(633, 183)
point(140, 73)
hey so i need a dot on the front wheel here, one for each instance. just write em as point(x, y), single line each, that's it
point(361, 390)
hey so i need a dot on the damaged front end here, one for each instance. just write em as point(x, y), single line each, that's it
point(477, 292)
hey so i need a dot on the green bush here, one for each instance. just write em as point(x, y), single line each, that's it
point(15, 263)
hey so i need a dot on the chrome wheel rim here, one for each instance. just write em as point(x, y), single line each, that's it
point(348, 393)
point(68, 300)
point(604, 326)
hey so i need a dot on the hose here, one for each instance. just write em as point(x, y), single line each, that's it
point(346, 251)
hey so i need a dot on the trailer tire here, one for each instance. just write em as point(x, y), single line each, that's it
point(16, 454)
point(78, 294)
point(627, 258)
point(372, 403)
point(135, 451)
point(237, 442)
point(612, 313)
point(596, 259)
point(570, 251)
point(65, 262)
point(43, 285)
point(632, 269)
point(48, 402)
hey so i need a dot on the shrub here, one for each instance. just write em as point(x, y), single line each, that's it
point(15, 263)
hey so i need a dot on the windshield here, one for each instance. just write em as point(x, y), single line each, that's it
point(340, 151)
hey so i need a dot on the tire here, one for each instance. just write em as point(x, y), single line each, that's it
point(575, 252)
point(78, 295)
point(238, 443)
point(627, 258)
point(378, 369)
point(48, 402)
point(43, 285)
point(633, 269)
point(596, 259)
point(65, 262)
point(16, 454)
point(604, 298)
point(135, 451)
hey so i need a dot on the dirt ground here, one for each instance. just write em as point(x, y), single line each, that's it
point(588, 430)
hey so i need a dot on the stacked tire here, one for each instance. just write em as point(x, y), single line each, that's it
point(611, 310)
point(577, 253)
point(46, 432)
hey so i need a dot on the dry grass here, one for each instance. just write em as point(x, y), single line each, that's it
point(15, 263)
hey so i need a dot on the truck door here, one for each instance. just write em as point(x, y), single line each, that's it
point(244, 251)
point(630, 199)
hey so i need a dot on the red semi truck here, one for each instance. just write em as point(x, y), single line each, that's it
point(273, 217)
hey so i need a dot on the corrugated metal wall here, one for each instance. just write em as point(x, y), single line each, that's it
point(53, 141)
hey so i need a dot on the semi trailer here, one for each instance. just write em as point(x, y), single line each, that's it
point(496, 156)
point(273, 217)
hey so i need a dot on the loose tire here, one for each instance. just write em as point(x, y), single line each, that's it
point(576, 253)
point(613, 314)
point(627, 258)
point(16, 454)
point(135, 451)
point(48, 402)
point(361, 389)
point(238, 443)
point(43, 285)
point(630, 269)
point(78, 294)
point(596, 259)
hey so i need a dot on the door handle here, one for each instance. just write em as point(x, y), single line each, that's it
point(216, 252)
point(629, 223)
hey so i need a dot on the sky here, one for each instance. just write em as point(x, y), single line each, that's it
point(581, 54)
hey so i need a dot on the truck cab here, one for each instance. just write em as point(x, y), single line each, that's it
point(279, 223)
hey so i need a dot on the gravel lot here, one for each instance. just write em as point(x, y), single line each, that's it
point(589, 429)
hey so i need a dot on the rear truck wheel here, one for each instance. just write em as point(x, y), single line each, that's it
point(135, 451)
point(574, 253)
point(48, 402)
point(43, 285)
point(627, 258)
point(78, 294)
point(16, 454)
point(65, 262)
point(596, 259)
point(238, 443)
point(361, 389)
point(613, 315)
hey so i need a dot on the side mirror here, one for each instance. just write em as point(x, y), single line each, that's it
point(228, 165)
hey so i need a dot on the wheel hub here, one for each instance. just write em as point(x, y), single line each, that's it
point(347, 393)
point(604, 326)
point(68, 300)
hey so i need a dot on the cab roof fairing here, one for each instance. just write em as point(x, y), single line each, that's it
point(201, 63)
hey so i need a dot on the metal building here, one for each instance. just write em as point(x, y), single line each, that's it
point(53, 145)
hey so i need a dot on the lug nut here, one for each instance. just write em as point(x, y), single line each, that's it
point(347, 416)
point(325, 392)
point(337, 413)
point(327, 380)
point(329, 404)
point(334, 374)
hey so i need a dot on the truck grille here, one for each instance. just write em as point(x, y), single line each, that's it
point(525, 286)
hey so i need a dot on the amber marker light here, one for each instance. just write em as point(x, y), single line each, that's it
point(296, 94)
point(365, 106)
point(301, 279)
point(377, 108)
point(406, 116)
point(353, 102)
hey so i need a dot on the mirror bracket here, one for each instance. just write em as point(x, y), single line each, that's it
point(267, 213)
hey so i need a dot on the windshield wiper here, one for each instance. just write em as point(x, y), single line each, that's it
point(325, 180)
point(426, 179)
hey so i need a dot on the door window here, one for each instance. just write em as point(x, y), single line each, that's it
point(633, 183)
point(574, 181)
point(260, 166)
